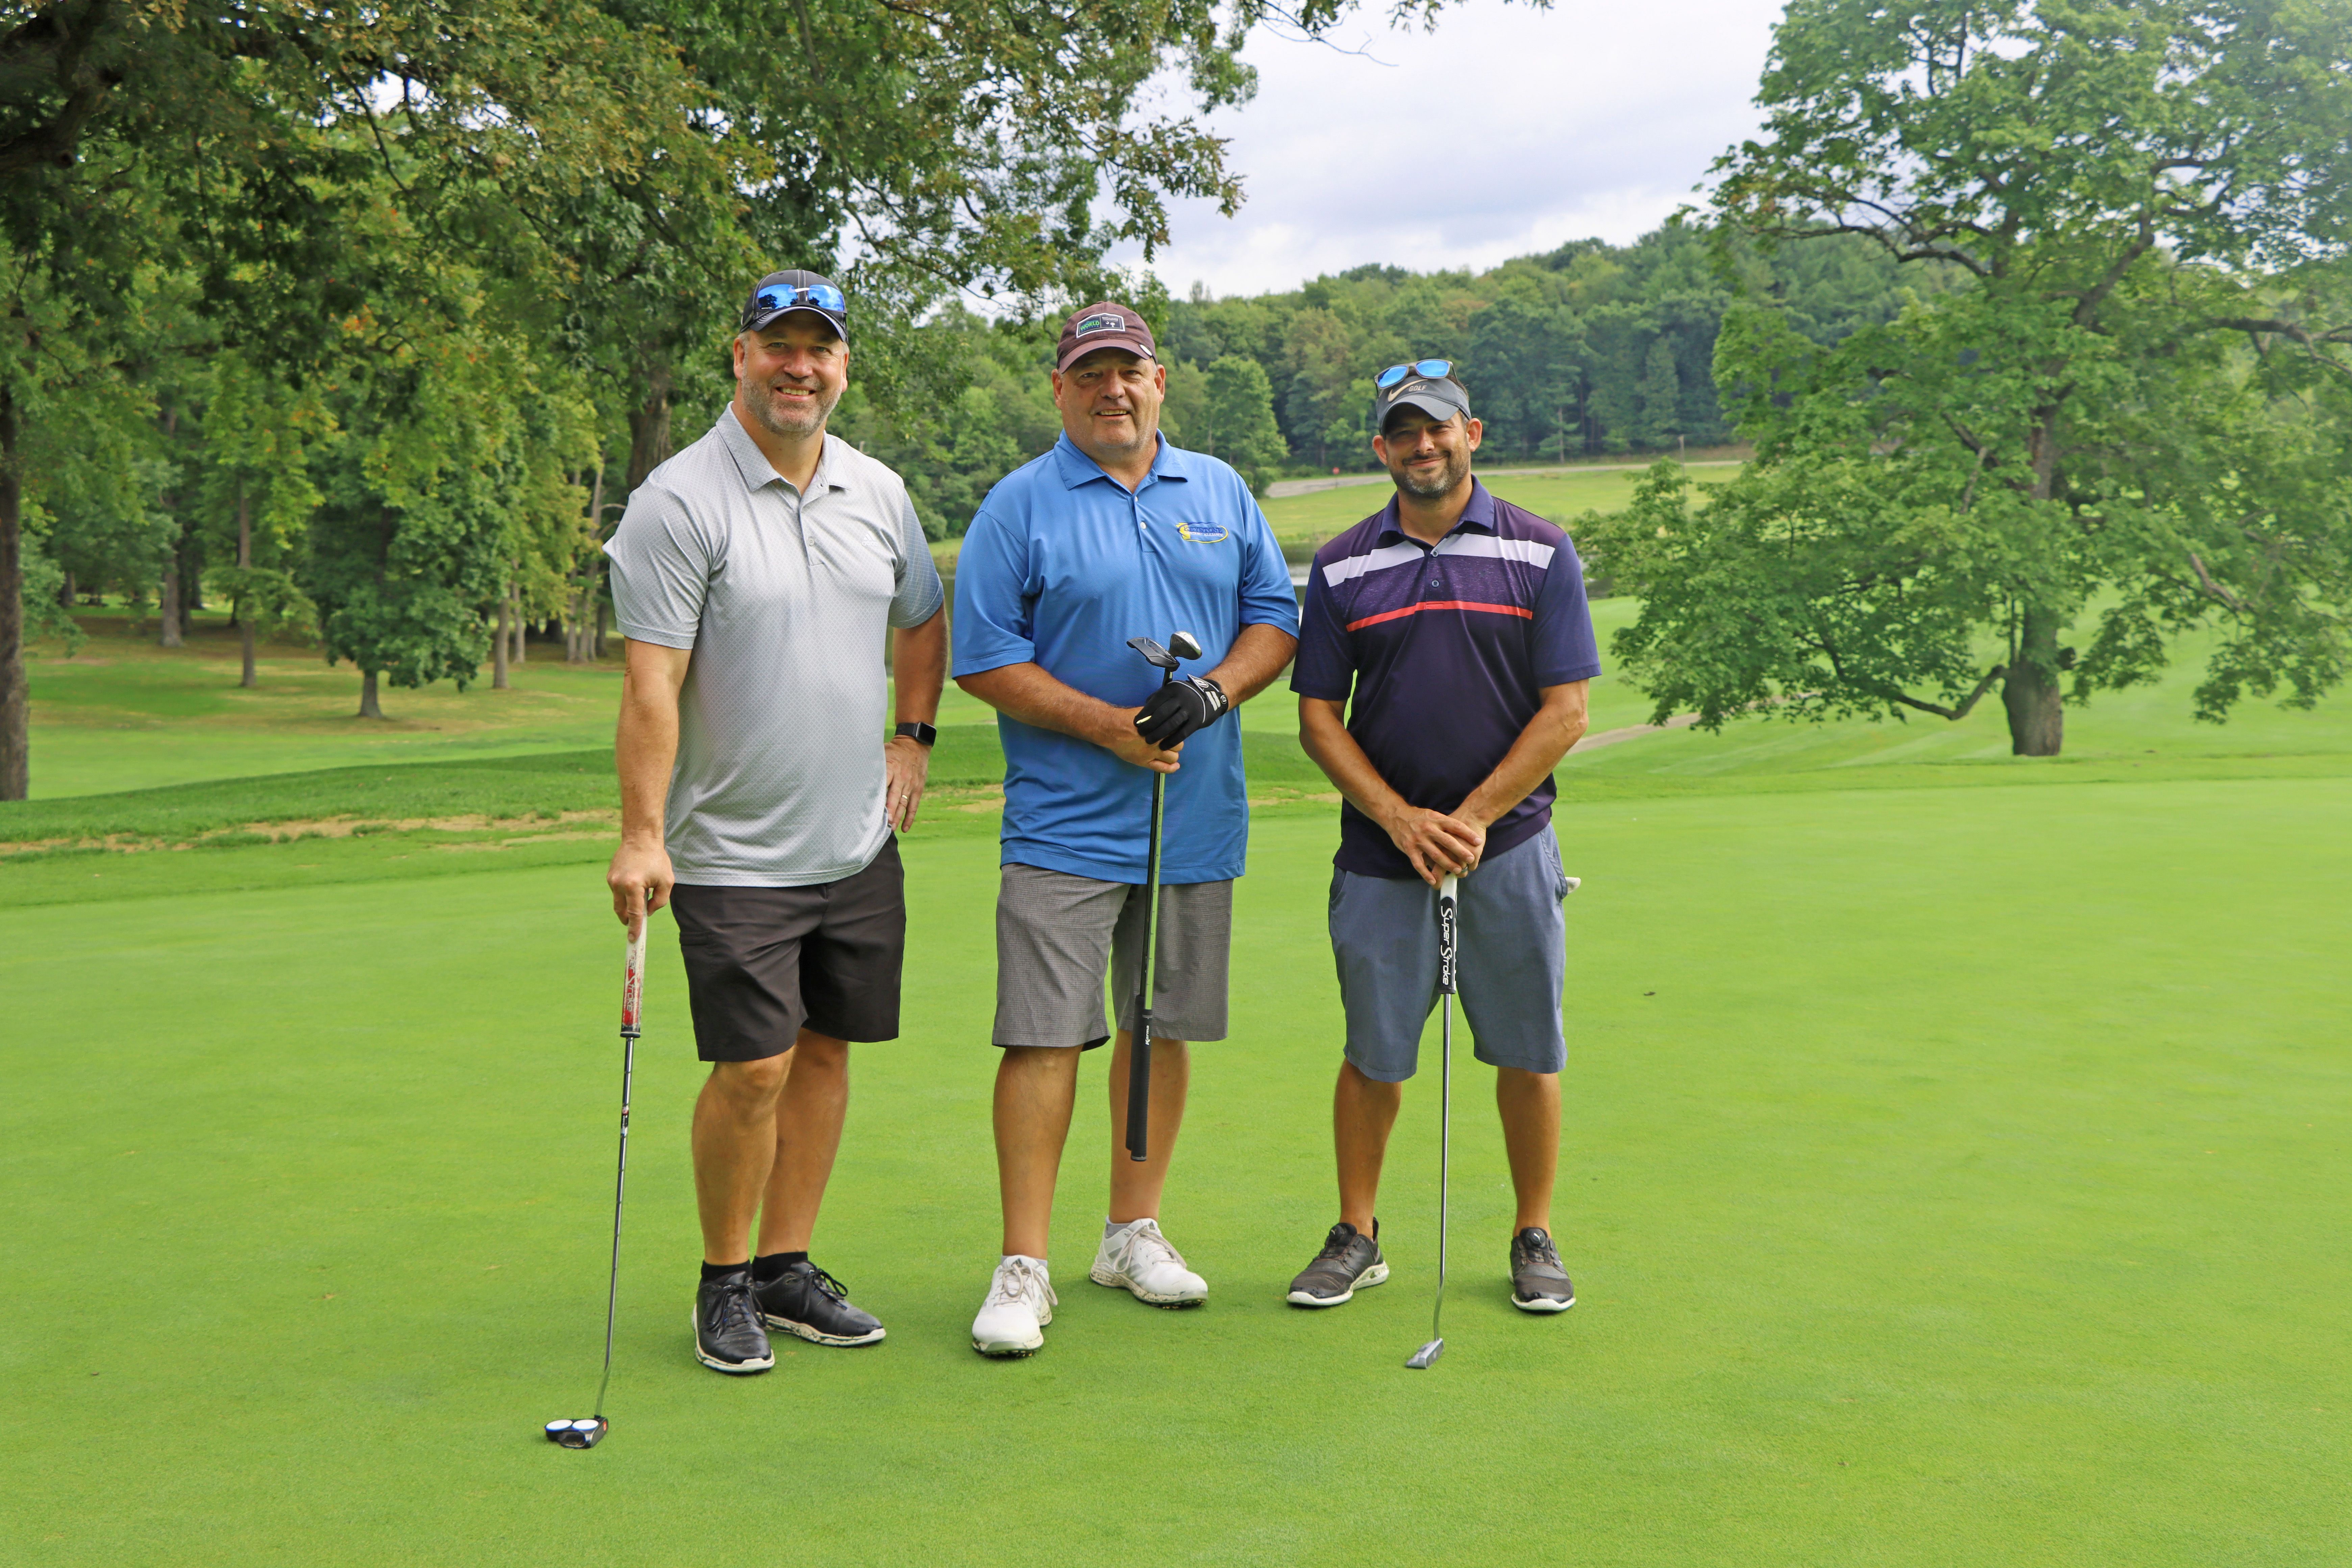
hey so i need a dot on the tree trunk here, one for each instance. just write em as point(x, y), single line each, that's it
point(14, 706)
point(499, 646)
point(602, 612)
point(649, 428)
point(2037, 714)
point(514, 597)
point(66, 591)
point(191, 575)
point(167, 601)
point(244, 593)
point(369, 708)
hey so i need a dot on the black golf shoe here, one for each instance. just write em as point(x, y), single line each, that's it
point(1538, 1284)
point(1349, 1261)
point(727, 1334)
point(806, 1301)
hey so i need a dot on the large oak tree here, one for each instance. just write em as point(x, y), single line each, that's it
point(2119, 402)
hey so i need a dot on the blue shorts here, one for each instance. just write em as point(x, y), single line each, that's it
point(1511, 961)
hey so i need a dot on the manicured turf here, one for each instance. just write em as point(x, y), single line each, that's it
point(1950, 1176)
point(123, 713)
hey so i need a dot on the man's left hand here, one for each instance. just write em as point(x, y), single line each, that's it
point(1180, 709)
point(907, 764)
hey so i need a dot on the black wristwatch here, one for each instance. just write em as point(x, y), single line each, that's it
point(922, 733)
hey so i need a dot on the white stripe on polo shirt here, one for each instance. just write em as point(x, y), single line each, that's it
point(1380, 560)
point(1532, 551)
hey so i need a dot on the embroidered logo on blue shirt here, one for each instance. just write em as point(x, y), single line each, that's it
point(1203, 532)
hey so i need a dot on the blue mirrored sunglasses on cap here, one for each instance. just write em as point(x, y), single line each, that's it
point(1432, 368)
point(824, 296)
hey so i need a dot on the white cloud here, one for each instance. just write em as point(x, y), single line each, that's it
point(1507, 130)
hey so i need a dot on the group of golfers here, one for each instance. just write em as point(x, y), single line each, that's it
point(1441, 666)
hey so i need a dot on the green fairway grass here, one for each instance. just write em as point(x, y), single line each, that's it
point(1950, 1177)
point(1562, 495)
point(123, 713)
point(1950, 1173)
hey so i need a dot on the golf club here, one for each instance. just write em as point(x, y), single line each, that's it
point(1421, 1359)
point(588, 1431)
point(1180, 646)
point(1427, 1354)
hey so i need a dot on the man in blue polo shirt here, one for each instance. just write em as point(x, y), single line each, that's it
point(1113, 534)
point(1458, 624)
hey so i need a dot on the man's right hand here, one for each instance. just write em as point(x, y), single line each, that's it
point(1438, 845)
point(1127, 746)
point(641, 880)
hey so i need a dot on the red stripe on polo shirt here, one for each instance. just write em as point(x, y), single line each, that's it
point(1442, 605)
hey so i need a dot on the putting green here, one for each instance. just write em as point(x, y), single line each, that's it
point(1947, 1180)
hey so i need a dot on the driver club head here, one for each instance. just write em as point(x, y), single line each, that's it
point(1428, 1353)
point(1153, 654)
point(585, 1433)
point(1183, 644)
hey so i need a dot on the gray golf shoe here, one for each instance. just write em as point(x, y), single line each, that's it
point(1349, 1261)
point(1539, 1283)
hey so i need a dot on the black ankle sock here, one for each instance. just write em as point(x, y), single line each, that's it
point(713, 1270)
point(769, 1269)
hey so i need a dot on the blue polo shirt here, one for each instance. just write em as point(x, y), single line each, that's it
point(1446, 650)
point(1063, 564)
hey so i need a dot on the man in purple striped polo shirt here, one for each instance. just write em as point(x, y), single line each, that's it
point(1442, 662)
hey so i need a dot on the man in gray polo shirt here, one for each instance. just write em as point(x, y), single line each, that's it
point(754, 573)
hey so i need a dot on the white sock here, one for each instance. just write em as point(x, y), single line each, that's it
point(1112, 1227)
point(1011, 1255)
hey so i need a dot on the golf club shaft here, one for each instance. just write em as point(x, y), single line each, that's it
point(1447, 909)
point(1138, 1059)
point(631, 1007)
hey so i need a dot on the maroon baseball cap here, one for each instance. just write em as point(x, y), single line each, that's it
point(1108, 325)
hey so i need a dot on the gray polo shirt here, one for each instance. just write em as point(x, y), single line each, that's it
point(784, 598)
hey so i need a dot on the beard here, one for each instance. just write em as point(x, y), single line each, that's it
point(778, 420)
point(1441, 484)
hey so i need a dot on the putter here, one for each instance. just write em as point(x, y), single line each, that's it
point(1421, 1358)
point(589, 1430)
point(1180, 646)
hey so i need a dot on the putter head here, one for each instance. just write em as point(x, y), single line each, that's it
point(1422, 1358)
point(1183, 644)
point(584, 1432)
point(1153, 654)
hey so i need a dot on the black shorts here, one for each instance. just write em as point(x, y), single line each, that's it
point(762, 963)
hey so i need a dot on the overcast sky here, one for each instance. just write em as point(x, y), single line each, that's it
point(1507, 131)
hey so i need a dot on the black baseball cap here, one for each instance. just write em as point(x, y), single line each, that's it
point(1439, 397)
point(781, 293)
point(1107, 325)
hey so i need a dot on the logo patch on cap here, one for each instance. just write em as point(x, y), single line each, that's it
point(1098, 324)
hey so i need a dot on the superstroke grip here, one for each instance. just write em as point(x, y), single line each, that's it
point(633, 983)
point(1446, 906)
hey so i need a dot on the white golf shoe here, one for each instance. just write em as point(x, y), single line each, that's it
point(1138, 1259)
point(1011, 1322)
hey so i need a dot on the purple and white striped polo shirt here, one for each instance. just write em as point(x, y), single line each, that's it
point(1446, 649)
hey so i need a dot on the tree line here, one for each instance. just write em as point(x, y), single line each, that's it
point(2040, 318)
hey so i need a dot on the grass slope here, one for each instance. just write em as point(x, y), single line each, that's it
point(125, 714)
point(1945, 1179)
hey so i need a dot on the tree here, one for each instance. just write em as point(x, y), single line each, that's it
point(1242, 429)
point(2124, 397)
point(249, 146)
